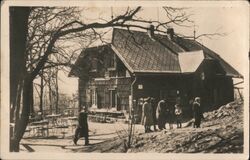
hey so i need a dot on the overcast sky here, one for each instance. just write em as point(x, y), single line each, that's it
point(229, 19)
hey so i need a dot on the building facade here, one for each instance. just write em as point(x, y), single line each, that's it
point(137, 65)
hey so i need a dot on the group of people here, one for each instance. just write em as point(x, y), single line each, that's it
point(152, 114)
point(162, 113)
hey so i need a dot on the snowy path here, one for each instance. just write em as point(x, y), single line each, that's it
point(99, 132)
point(221, 132)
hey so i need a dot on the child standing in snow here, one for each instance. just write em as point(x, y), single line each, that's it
point(178, 113)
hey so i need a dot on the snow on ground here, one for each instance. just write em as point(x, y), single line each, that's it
point(221, 132)
point(98, 132)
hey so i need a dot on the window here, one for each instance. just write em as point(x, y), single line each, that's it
point(94, 98)
point(140, 86)
point(113, 98)
point(94, 63)
point(112, 62)
point(202, 76)
point(88, 95)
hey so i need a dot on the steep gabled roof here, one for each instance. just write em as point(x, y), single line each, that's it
point(144, 54)
point(141, 53)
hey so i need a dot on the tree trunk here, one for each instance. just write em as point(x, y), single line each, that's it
point(57, 92)
point(18, 103)
point(18, 31)
point(50, 96)
point(14, 111)
point(22, 123)
point(32, 100)
point(41, 95)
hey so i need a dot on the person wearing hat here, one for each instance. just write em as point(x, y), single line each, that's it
point(197, 112)
point(147, 119)
point(82, 129)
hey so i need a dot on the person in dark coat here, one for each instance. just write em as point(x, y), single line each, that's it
point(161, 114)
point(82, 129)
point(197, 113)
point(147, 119)
point(170, 115)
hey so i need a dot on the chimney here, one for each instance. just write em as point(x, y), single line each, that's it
point(151, 31)
point(170, 33)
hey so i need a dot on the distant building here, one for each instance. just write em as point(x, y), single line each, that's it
point(140, 64)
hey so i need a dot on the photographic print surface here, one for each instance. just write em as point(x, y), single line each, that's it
point(125, 78)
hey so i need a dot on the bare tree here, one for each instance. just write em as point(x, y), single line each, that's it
point(18, 31)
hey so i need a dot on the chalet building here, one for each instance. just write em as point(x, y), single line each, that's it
point(141, 64)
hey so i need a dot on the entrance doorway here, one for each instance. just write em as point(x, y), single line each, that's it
point(113, 98)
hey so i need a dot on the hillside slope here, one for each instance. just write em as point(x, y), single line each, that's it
point(221, 132)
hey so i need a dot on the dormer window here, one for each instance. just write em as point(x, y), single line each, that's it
point(94, 63)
